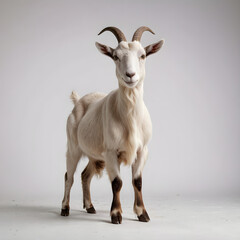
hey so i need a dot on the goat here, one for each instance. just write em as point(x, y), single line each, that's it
point(112, 129)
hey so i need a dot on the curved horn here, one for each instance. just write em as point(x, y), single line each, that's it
point(138, 34)
point(117, 32)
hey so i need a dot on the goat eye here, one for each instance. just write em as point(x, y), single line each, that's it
point(115, 58)
point(143, 56)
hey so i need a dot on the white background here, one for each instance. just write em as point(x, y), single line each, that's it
point(192, 90)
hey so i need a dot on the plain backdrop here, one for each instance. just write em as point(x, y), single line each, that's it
point(192, 91)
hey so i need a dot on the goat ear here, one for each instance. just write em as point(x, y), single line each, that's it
point(104, 49)
point(153, 48)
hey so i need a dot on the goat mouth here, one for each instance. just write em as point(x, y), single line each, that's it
point(130, 83)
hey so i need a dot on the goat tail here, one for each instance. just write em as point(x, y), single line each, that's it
point(75, 97)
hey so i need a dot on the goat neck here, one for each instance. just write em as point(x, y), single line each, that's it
point(130, 98)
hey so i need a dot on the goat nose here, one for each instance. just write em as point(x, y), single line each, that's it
point(130, 74)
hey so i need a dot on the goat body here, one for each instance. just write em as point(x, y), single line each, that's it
point(110, 122)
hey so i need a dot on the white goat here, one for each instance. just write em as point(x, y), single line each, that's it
point(114, 128)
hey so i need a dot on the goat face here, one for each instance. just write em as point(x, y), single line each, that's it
point(129, 57)
point(130, 63)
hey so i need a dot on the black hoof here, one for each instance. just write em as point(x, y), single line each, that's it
point(144, 217)
point(116, 218)
point(65, 212)
point(91, 210)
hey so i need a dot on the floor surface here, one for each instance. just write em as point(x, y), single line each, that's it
point(171, 218)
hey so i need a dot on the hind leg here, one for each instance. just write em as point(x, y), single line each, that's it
point(72, 161)
point(93, 167)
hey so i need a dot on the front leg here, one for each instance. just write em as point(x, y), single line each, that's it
point(113, 170)
point(137, 168)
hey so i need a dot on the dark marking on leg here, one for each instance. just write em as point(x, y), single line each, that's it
point(143, 217)
point(138, 183)
point(116, 185)
point(116, 205)
point(66, 177)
